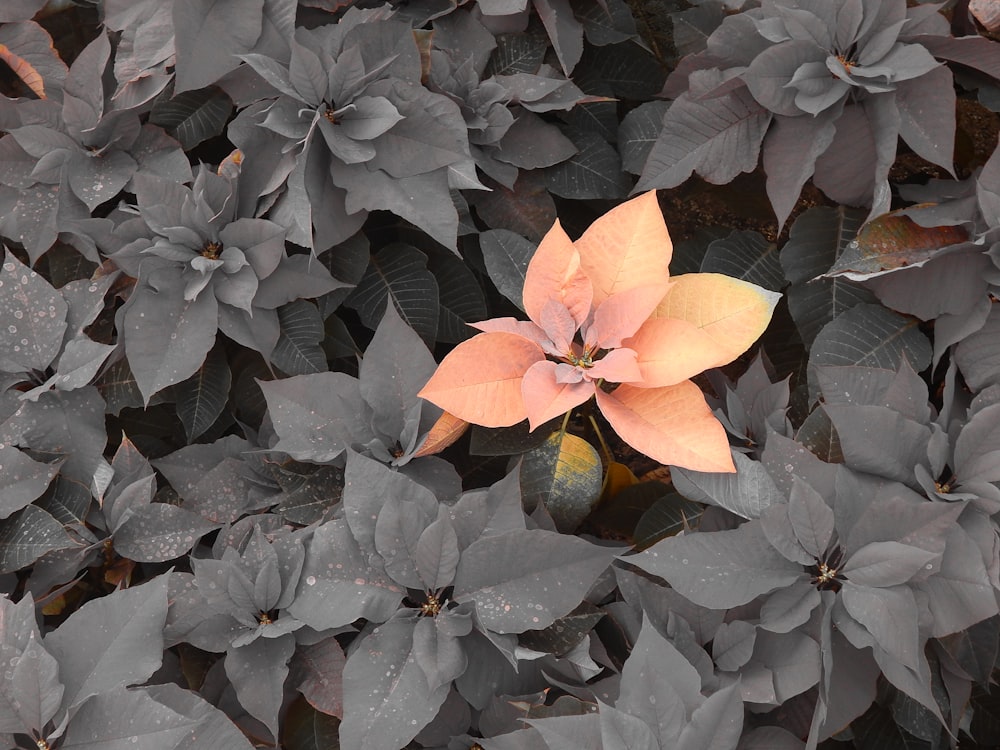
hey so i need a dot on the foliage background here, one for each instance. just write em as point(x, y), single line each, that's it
point(240, 234)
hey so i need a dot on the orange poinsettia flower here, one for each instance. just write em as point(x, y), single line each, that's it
point(604, 310)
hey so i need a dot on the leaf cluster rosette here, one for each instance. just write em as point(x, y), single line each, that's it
point(604, 309)
point(200, 267)
point(810, 86)
point(442, 587)
point(353, 130)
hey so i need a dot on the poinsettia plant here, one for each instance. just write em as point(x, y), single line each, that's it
point(604, 313)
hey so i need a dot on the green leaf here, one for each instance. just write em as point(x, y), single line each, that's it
point(257, 672)
point(871, 336)
point(461, 300)
point(748, 256)
point(316, 417)
point(516, 53)
point(22, 479)
point(818, 434)
point(123, 633)
point(33, 316)
point(716, 724)
point(193, 116)
point(298, 351)
point(387, 699)
point(566, 633)
point(31, 692)
point(507, 255)
point(563, 474)
point(398, 272)
point(159, 532)
point(27, 535)
point(667, 516)
point(209, 34)
point(816, 240)
point(120, 719)
point(166, 336)
point(745, 493)
point(720, 569)
point(214, 728)
point(595, 171)
point(305, 728)
point(717, 137)
point(638, 132)
point(525, 580)
point(202, 397)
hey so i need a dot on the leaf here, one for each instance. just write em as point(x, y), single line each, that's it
point(159, 532)
point(564, 475)
point(978, 354)
point(193, 116)
point(316, 416)
point(298, 350)
point(718, 138)
point(638, 132)
point(209, 35)
point(395, 366)
point(479, 381)
point(884, 564)
point(507, 255)
point(518, 580)
point(31, 690)
point(594, 171)
point(119, 719)
point(34, 317)
point(166, 336)
point(712, 320)
point(672, 425)
point(22, 479)
point(811, 518)
point(27, 48)
point(564, 30)
point(461, 301)
point(202, 397)
point(622, 731)
point(214, 728)
point(890, 242)
point(566, 633)
point(818, 434)
point(516, 53)
point(890, 615)
point(387, 699)
point(745, 493)
point(720, 569)
point(659, 685)
point(445, 431)
point(398, 273)
point(871, 336)
point(304, 728)
point(667, 516)
point(334, 597)
point(79, 362)
point(123, 633)
point(627, 247)
point(27, 535)
point(716, 724)
point(257, 672)
point(581, 732)
point(817, 238)
point(747, 256)
point(316, 673)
